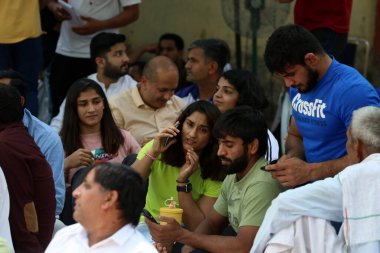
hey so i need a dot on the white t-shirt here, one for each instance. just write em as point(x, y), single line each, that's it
point(74, 239)
point(124, 83)
point(273, 148)
point(74, 45)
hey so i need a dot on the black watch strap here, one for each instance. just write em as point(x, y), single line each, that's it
point(185, 188)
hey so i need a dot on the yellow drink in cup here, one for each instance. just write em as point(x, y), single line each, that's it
point(171, 211)
point(175, 213)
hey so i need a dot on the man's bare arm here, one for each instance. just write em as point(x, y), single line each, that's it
point(206, 236)
point(242, 242)
point(127, 16)
point(294, 142)
point(328, 168)
point(291, 169)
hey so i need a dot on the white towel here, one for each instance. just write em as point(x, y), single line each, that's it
point(307, 234)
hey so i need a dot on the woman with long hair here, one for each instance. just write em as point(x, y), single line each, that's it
point(240, 87)
point(89, 134)
point(182, 155)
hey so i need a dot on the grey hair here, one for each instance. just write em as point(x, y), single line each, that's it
point(365, 126)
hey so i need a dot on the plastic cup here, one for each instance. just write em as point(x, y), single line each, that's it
point(175, 213)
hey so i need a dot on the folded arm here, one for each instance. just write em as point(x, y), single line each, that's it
point(127, 16)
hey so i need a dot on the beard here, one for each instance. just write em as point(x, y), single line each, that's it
point(237, 165)
point(114, 72)
point(312, 81)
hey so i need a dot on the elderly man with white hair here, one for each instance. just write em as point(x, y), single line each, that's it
point(350, 197)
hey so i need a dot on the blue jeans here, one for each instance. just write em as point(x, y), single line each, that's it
point(24, 57)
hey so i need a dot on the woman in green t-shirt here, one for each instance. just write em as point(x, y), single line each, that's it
point(182, 155)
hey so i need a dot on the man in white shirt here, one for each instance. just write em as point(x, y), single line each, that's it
point(72, 58)
point(109, 53)
point(349, 197)
point(108, 206)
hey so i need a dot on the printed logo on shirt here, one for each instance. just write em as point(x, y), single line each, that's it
point(313, 109)
point(100, 155)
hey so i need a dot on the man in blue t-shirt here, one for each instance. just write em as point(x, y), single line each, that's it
point(323, 94)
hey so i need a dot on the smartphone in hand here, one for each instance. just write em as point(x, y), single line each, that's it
point(167, 139)
point(272, 162)
point(147, 214)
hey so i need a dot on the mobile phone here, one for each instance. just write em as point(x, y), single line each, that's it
point(167, 139)
point(147, 214)
point(271, 162)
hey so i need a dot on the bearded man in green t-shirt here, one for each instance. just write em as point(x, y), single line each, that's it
point(246, 192)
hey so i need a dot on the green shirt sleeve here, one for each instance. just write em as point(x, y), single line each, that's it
point(145, 149)
point(255, 203)
point(212, 188)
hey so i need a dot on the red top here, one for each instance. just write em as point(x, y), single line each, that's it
point(333, 14)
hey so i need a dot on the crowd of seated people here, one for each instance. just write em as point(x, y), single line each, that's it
point(192, 132)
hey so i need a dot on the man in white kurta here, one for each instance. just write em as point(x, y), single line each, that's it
point(349, 197)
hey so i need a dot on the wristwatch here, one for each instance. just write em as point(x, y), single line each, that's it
point(185, 188)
